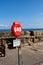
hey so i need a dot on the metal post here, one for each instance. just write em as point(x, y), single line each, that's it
point(20, 61)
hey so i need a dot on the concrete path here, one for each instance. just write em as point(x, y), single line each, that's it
point(30, 57)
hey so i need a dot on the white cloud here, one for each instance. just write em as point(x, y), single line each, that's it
point(2, 26)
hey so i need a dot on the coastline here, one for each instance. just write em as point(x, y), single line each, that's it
point(37, 35)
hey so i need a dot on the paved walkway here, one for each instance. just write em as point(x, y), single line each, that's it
point(29, 55)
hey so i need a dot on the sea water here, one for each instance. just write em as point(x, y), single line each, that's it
point(9, 30)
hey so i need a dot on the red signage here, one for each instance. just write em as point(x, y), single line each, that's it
point(16, 29)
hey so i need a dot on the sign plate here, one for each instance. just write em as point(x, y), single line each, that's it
point(16, 43)
point(16, 29)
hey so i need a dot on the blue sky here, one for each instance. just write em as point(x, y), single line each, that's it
point(28, 12)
